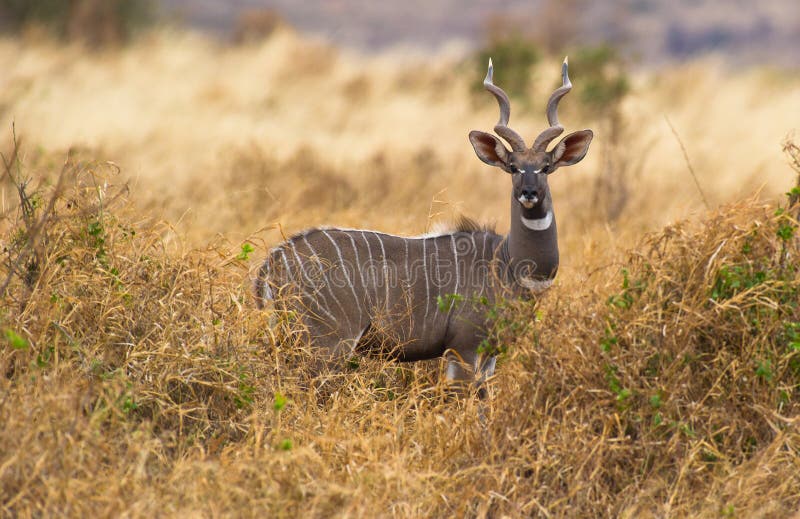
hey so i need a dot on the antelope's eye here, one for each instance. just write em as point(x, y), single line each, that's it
point(545, 169)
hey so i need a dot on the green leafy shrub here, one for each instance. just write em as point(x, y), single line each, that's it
point(514, 57)
point(604, 82)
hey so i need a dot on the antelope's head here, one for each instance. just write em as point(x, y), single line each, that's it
point(530, 167)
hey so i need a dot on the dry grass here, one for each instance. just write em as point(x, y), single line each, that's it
point(137, 378)
point(673, 390)
point(195, 125)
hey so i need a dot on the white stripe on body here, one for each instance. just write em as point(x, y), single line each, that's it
point(438, 280)
point(300, 265)
point(474, 260)
point(346, 273)
point(466, 293)
point(385, 271)
point(266, 293)
point(409, 296)
point(427, 288)
point(369, 265)
point(455, 261)
point(313, 298)
point(483, 257)
point(371, 299)
point(469, 289)
point(360, 271)
point(328, 284)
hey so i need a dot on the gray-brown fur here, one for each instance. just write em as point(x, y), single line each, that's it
point(360, 290)
point(348, 281)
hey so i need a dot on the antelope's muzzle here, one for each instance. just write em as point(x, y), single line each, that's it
point(529, 198)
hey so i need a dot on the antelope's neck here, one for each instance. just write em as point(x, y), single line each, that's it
point(532, 242)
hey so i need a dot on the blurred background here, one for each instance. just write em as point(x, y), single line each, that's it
point(251, 117)
point(648, 31)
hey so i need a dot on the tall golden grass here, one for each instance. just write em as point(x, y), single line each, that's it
point(658, 377)
point(196, 124)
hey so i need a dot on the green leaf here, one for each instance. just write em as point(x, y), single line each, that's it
point(129, 404)
point(448, 301)
point(279, 402)
point(95, 228)
point(655, 401)
point(623, 394)
point(785, 232)
point(244, 255)
point(764, 370)
point(244, 398)
point(16, 340)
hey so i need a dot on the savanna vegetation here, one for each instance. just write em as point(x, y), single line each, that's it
point(94, 23)
point(142, 185)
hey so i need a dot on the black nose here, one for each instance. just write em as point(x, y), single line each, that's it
point(529, 193)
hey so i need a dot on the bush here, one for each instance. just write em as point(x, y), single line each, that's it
point(604, 82)
point(514, 58)
point(677, 387)
point(602, 87)
point(94, 22)
point(256, 24)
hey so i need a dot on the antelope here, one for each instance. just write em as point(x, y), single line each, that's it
point(429, 296)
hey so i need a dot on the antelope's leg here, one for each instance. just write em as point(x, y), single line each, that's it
point(461, 373)
point(458, 368)
point(465, 364)
point(332, 347)
point(485, 368)
point(485, 365)
point(467, 367)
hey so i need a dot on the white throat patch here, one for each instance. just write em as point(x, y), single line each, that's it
point(538, 224)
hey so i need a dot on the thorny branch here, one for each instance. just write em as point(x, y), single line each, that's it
point(25, 260)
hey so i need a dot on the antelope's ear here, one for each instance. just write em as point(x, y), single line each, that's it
point(489, 149)
point(571, 149)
